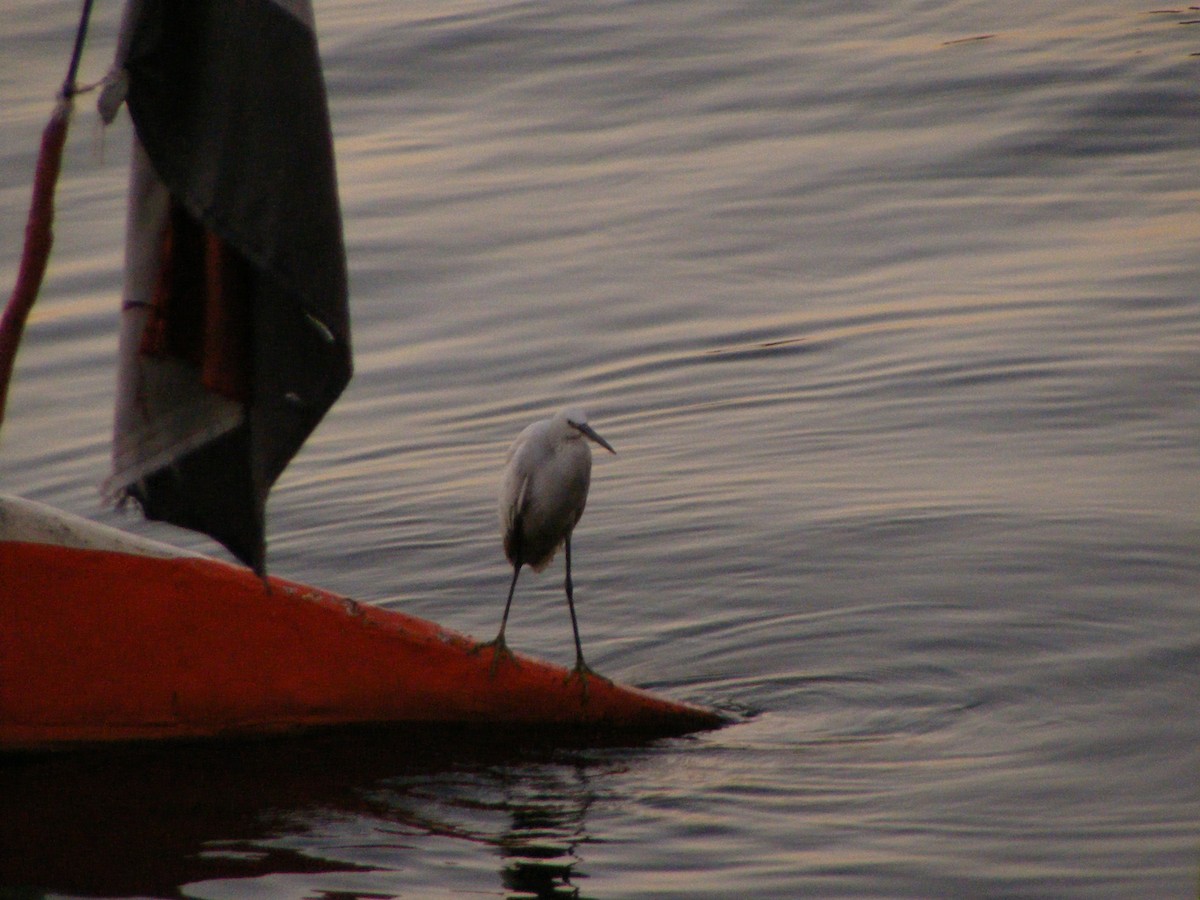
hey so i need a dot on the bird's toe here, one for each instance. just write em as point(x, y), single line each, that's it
point(583, 672)
point(499, 651)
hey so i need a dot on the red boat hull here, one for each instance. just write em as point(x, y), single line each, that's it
point(102, 646)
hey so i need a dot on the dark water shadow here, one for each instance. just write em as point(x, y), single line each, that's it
point(147, 821)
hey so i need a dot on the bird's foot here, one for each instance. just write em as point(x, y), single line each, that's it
point(499, 651)
point(583, 672)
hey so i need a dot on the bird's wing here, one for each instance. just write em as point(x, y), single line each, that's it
point(521, 500)
point(512, 519)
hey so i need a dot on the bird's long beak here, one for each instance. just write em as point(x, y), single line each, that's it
point(589, 432)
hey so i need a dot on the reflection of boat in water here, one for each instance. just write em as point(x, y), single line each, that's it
point(350, 811)
point(234, 343)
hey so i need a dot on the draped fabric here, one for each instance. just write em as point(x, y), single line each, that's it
point(235, 336)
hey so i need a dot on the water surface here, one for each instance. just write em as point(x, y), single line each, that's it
point(891, 312)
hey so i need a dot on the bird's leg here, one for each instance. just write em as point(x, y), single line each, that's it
point(498, 645)
point(581, 671)
point(579, 663)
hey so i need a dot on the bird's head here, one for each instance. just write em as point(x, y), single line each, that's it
point(577, 425)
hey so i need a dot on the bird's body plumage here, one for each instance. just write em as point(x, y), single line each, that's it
point(544, 491)
point(542, 497)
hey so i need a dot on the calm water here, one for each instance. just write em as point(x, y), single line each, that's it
point(897, 335)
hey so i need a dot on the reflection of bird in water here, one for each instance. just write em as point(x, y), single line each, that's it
point(542, 497)
point(548, 879)
point(549, 807)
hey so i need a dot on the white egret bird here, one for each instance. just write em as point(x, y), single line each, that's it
point(542, 495)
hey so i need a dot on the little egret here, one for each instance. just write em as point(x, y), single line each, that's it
point(542, 495)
